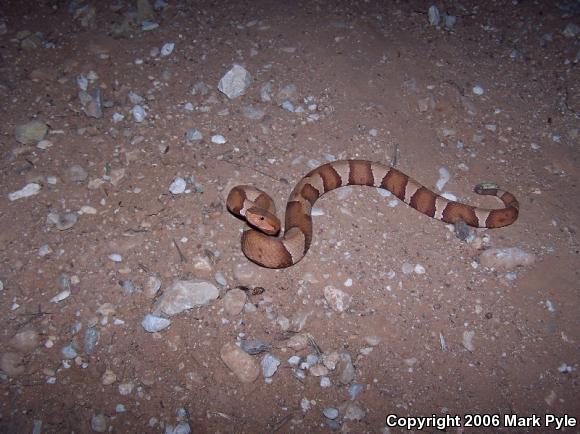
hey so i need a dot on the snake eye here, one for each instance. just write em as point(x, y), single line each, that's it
point(262, 218)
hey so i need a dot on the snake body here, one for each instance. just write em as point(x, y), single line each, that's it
point(261, 245)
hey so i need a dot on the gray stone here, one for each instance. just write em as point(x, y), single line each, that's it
point(152, 323)
point(31, 132)
point(235, 82)
point(185, 294)
point(269, 365)
point(91, 339)
point(27, 191)
point(506, 258)
point(434, 15)
point(99, 423)
point(193, 135)
point(337, 299)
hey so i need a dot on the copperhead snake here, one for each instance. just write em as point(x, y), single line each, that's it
point(262, 246)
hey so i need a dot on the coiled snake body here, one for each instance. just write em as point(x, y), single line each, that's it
point(261, 245)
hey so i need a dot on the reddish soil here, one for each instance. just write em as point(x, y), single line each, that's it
point(368, 65)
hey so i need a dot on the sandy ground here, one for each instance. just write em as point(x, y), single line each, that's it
point(450, 337)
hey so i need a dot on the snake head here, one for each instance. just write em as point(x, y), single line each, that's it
point(263, 220)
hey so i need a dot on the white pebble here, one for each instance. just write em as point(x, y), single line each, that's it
point(449, 196)
point(153, 323)
point(27, 191)
point(384, 193)
point(444, 177)
point(218, 139)
point(478, 90)
point(115, 257)
point(393, 203)
point(63, 295)
point(419, 269)
point(167, 49)
point(138, 113)
point(316, 212)
point(348, 282)
point(220, 279)
point(178, 186)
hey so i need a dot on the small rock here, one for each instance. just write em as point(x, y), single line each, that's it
point(477, 90)
point(571, 31)
point(346, 370)
point(240, 363)
point(63, 295)
point(152, 286)
point(373, 341)
point(234, 301)
point(64, 222)
point(193, 135)
point(185, 294)
point(330, 413)
point(218, 139)
point(68, 352)
point(91, 339)
point(167, 49)
point(99, 423)
point(138, 113)
point(330, 360)
point(337, 299)
point(444, 177)
point(355, 390)
point(44, 250)
point(269, 365)
point(126, 389)
point(200, 88)
point(235, 82)
point(434, 16)
point(407, 268)
point(265, 92)
point(353, 412)
point(506, 258)
point(31, 132)
point(115, 257)
point(178, 186)
point(108, 378)
point(318, 370)
point(468, 340)
point(419, 269)
point(220, 279)
point(449, 21)
point(288, 106)
point(28, 190)
point(25, 340)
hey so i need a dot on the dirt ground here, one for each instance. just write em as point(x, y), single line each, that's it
point(429, 329)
